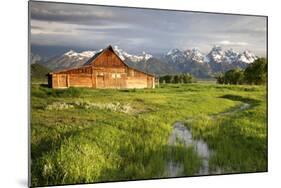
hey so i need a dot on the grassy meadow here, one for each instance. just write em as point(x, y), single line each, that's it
point(81, 135)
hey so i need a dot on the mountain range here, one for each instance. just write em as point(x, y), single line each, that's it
point(191, 61)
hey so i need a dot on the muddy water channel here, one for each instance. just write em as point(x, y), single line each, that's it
point(181, 134)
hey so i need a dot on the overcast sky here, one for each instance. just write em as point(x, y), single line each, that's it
point(137, 30)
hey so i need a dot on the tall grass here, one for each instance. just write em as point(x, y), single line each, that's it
point(81, 145)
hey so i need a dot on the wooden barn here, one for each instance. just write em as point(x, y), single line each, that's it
point(103, 70)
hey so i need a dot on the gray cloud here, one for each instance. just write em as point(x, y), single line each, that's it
point(95, 27)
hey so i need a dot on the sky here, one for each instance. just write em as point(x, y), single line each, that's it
point(72, 26)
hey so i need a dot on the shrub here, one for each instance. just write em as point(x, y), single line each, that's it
point(234, 76)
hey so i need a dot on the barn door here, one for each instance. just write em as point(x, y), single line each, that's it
point(62, 81)
point(100, 81)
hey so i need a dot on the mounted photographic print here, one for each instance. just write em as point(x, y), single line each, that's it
point(120, 93)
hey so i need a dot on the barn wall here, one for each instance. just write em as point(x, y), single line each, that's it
point(137, 79)
point(140, 82)
point(150, 82)
point(133, 82)
point(117, 78)
point(59, 81)
point(80, 80)
point(109, 77)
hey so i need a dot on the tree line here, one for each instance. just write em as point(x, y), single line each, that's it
point(177, 78)
point(255, 73)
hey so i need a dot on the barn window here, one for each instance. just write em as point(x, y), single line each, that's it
point(130, 72)
point(116, 75)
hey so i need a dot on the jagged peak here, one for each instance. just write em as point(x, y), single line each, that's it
point(217, 54)
point(134, 58)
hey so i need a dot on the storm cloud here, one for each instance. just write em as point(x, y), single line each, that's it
point(136, 30)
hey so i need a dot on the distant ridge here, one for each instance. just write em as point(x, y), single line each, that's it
point(191, 61)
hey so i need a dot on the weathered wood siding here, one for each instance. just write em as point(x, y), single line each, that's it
point(106, 71)
point(137, 79)
point(108, 59)
point(80, 80)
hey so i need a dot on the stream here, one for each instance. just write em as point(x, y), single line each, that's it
point(184, 135)
point(181, 133)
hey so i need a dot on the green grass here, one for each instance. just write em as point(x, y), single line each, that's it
point(85, 135)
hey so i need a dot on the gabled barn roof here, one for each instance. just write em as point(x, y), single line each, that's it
point(92, 59)
point(112, 50)
point(99, 53)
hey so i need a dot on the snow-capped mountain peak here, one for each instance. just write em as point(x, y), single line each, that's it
point(70, 53)
point(83, 54)
point(133, 58)
point(146, 56)
point(70, 59)
point(231, 55)
point(217, 60)
point(216, 54)
point(247, 57)
point(178, 56)
point(195, 55)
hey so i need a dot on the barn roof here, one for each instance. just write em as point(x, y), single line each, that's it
point(92, 58)
point(111, 49)
point(89, 62)
point(99, 53)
